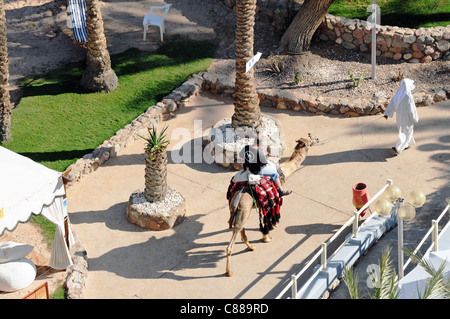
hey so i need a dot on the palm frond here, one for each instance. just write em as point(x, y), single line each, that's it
point(384, 283)
point(437, 287)
point(156, 142)
point(351, 281)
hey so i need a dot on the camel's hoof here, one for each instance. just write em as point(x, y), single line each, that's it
point(229, 273)
point(266, 239)
point(251, 248)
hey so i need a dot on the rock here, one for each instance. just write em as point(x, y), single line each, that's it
point(436, 55)
point(417, 55)
point(446, 35)
point(344, 109)
point(443, 45)
point(407, 56)
point(399, 44)
point(170, 105)
point(397, 56)
point(441, 95)
point(352, 114)
point(417, 47)
point(358, 33)
point(446, 56)
point(364, 47)
point(347, 37)
point(427, 100)
point(428, 50)
point(348, 45)
point(322, 107)
point(281, 106)
point(425, 39)
point(409, 38)
point(426, 59)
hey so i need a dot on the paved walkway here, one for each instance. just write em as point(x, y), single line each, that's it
point(126, 261)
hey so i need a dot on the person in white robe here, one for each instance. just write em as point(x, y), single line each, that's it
point(403, 104)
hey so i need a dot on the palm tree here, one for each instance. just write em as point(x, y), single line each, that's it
point(5, 103)
point(98, 76)
point(246, 103)
point(155, 165)
point(384, 282)
point(297, 38)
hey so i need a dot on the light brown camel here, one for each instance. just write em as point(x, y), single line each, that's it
point(240, 212)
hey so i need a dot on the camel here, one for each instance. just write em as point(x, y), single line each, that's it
point(240, 211)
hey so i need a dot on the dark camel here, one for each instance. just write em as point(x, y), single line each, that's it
point(239, 213)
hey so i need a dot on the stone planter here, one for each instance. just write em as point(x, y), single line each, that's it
point(224, 143)
point(160, 215)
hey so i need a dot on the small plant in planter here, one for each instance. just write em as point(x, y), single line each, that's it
point(156, 165)
point(398, 77)
point(298, 78)
point(356, 82)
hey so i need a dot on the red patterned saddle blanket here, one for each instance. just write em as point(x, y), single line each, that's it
point(267, 199)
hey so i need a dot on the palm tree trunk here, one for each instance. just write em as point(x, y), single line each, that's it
point(298, 36)
point(246, 103)
point(155, 176)
point(98, 76)
point(5, 102)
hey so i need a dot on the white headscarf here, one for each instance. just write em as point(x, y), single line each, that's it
point(406, 86)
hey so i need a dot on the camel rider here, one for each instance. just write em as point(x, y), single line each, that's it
point(256, 162)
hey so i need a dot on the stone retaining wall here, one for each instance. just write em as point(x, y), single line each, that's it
point(412, 45)
point(285, 99)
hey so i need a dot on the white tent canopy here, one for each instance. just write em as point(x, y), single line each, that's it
point(27, 188)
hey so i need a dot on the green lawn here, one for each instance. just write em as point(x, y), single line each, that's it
point(56, 122)
point(403, 13)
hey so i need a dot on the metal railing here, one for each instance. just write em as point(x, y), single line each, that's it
point(354, 220)
point(434, 232)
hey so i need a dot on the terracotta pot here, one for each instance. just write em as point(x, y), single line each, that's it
point(360, 196)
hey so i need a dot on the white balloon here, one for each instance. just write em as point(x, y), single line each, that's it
point(383, 207)
point(392, 193)
point(417, 198)
point(407, 212)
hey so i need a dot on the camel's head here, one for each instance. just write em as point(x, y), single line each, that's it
point(306, 142)
point(303, 143)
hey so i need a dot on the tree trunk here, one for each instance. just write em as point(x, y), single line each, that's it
point(246, 102)
point(298, 36)
point(155, 176)
point(98, 76)
point(5, 102)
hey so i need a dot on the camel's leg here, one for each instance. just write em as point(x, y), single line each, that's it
point(230, 249)
point(240, 219)
point(245, 240)
point(266, 238)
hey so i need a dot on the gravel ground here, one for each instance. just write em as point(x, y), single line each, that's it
point(324, 71)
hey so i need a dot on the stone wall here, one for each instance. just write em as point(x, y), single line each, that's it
point(412, 45)
point(286, 100)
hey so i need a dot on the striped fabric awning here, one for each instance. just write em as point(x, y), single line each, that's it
point(76, 11)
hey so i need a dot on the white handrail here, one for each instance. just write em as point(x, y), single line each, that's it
point(322, 250)
point(429, 232)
